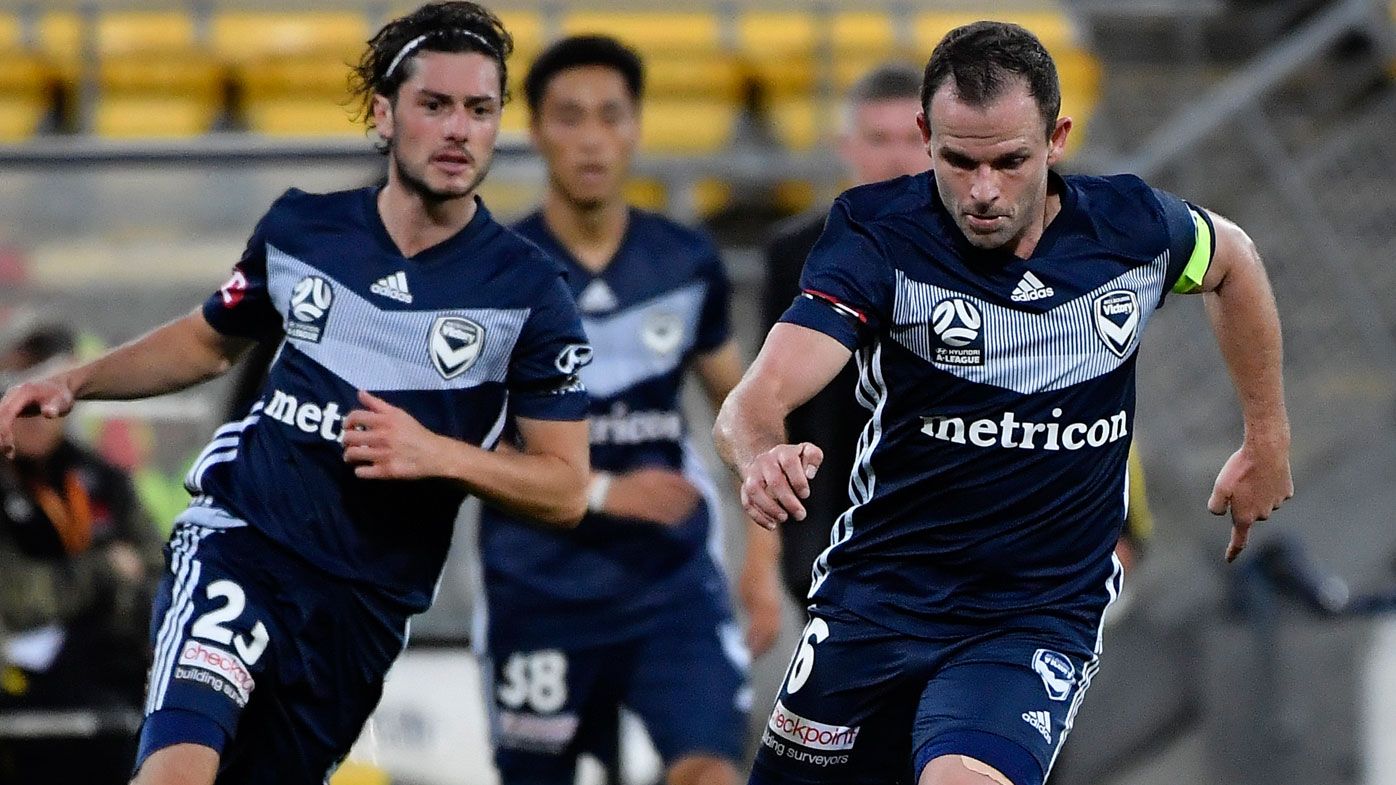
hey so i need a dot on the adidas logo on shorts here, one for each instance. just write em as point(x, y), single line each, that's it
point(1040, 720)
point(1031, 288)
point(393, 286)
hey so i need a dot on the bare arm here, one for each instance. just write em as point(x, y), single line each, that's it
point(759, 585)
point(545, 482)
point(1256, 480)
point(794, 364)
point(172, 357)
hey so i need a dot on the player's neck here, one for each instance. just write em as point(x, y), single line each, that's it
point(592, 234)
point(416, 223)
point(1027, 244)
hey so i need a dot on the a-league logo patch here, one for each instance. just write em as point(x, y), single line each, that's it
point(455, 345)
point(310, 308)
point(1117, 319)
point(957, 333)
point(1057, 672)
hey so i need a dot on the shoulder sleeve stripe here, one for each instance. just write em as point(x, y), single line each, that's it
point(1202, 251)
point(833, 302)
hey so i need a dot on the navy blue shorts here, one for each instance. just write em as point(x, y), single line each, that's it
point(272, 663)
point(864, 704)
point(686, 680)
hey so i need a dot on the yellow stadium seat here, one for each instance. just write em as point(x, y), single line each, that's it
point(60, 41)
point(241, 37)
point(647, 194)
point(651, 32)
point(144, 33)
point(717, 76)
point(24, 95)
point(301, 117)
point(777, 34)
point(686, 126)
point(510, 198)
point(298, 96)
point(781, 49)
point(800, 122)
point(862, 31)
point(11, 33)
point(171, 95)
point(1080, 76)
point(711, 195)
point(527, 29)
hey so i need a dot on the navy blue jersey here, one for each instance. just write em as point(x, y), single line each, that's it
point(991, 478)
point(661, 301)
point(452, 335)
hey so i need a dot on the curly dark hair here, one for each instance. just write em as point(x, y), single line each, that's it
point(456, 26)
point(983, 57)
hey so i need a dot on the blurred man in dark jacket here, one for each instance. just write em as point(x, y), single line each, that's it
point(79, 559)
point(879, 141)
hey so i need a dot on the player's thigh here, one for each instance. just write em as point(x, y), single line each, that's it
point(689, 687)
point(213, 643)
point(1007, 703)
point(548, 704)
point(845, 706)
point(332, 678)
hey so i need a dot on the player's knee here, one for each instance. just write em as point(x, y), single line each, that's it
point(180, 764)
point(702, 770)
point(961, 770)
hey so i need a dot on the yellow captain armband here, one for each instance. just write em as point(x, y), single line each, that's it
point(1191, 279)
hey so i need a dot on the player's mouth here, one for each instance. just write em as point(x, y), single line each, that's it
point(452, 162)
point(984, 223)
point(593, 174)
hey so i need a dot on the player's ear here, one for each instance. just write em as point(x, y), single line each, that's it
point(383, 116)
point(924, 126)
point(1056, 143)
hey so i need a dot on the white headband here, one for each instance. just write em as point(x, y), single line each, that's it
point(416, 42)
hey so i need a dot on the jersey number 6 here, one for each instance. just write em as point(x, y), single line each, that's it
point(815, 632)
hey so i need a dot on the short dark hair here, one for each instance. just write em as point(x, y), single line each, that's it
point(983, 57)
point(41, 344)
point(457, 26)
point(582, 50)
point(886, 82)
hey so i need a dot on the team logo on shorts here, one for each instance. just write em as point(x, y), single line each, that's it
point(310, 308)
point(455, 345)
point(957, 335)
point(662, 332)
point(1057, 672)
point(1117, 319)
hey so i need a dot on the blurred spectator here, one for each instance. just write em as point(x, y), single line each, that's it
point(879, 140)
point(79, 560)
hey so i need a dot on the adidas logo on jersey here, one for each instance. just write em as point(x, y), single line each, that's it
point(393, 286)
point(1031, 288)
point(1040, 720)
point(597, 298)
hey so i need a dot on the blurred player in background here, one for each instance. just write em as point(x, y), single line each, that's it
point(80, 560)
point(996, 308)
point(879, 140)
point(407, 317)
point(630, 608)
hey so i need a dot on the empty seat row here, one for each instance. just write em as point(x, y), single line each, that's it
point(170, 73)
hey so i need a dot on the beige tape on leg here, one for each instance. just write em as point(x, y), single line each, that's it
point(980, 767)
